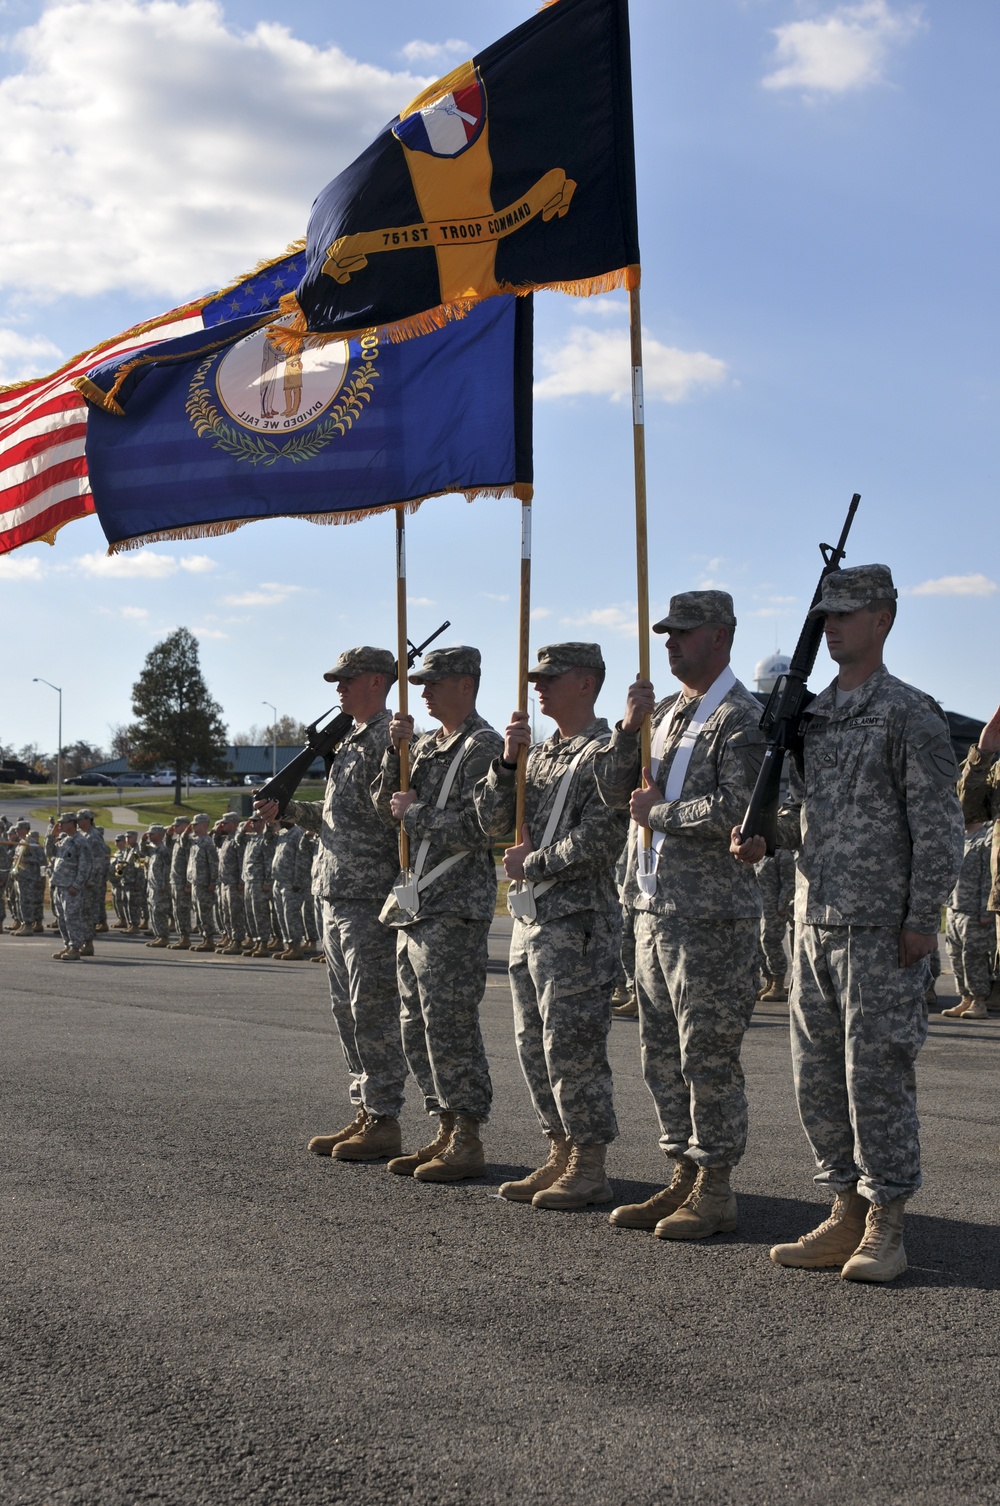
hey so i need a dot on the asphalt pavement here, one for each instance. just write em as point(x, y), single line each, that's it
point(195, 1310)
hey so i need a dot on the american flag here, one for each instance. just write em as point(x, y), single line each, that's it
point(43, 422)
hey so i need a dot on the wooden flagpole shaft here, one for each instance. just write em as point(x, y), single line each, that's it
point(402, 649)
point(523, 660)
point(641, 546)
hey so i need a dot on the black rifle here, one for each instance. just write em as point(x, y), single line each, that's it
point(781, 722)
point(323, 741)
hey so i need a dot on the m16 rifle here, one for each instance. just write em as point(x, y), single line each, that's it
point(323, 739)
point(781, 722)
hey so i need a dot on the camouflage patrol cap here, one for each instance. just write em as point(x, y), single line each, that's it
point(229, 816)
point(22, 825)
point(692, 609)
point(69, 817)
point(442, 663)
point(86, 814)
point(131, 834)
point(363, 660)
point(156, 827)
point(858, 586)
point(201, 816)
point(557, 658)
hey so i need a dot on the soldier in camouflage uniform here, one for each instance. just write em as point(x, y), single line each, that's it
point(94, 889)
point(178, 841)
point(203, 879)
point(7, 849)
point(979, 792)
point(74, 860)
point(28, 874)
point(290, 873)
point(256, 876)
point(115, 873)
point(697, 914)
point(970, 933)
point(234, 915)
point(353, 871)
point(565, 946)
point(449, 897)
point(133, 882)
point(157, 861)
point(311, 927)
point(880, 838)
point(776, 877)
point(17, 834)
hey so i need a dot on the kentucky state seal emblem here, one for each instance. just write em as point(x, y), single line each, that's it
point(278, 406)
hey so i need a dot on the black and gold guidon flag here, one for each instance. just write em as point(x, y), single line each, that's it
point(514, 172)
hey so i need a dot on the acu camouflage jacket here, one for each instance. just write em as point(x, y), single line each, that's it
point(979, 792)
point(876, 820)
point(588, 837)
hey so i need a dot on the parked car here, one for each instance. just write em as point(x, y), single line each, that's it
point(92, 777)
point(161, 777)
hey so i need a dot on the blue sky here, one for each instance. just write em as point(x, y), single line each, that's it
point(818, 207)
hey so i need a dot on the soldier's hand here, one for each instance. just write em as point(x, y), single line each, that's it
point(517, 735)
point(750, 851)
point(639, 704)
point(401, 802)
point(513, 858)
point(643, 800)
point(266, 810)
point(400, 730)
point(989, 738)
point(914, 945)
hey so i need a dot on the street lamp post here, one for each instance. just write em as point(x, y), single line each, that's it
point(274, 739)
point(58, 689)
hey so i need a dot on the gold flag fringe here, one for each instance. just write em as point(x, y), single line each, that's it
point(293, 336)
point(97, 396)
point(522, 490)
point(106, 400)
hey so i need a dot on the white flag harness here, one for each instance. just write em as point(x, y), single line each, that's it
point(412, 885)
point(648, 858)
point(521, 894)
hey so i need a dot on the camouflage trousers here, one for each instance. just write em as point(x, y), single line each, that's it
point(258, 910)
point(158, 909)
point(117, 897)
point(695, 982)
point(773, 930)
point(233, 912)
point(858, 1021)
point(180, 896)
point(31, 898)
point(288, 903)
point(626, 968)
point(561, 977)
point(68, 910)
point(203, 909)
point(133, 904)
point(441, 972)
point(361, 966)
point(92, 895)
point(312, 918)
point(972, 951)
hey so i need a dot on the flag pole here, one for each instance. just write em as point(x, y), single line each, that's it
point(641, 545)
point(402, 651)
point(523, 652)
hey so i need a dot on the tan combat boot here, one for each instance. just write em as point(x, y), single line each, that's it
point(292, 953)
point(582, 1184)
point(158, 941)
point(322, 1145)
point(321, 958)
point(60, 954)
point(648, 1214)
point(182, 944)
point(710, 1208)
point(260, 950)
point(234, 949)
point(880, 1255)
point(405, 1166)
point(963, 1006)
point(249, 947)
point(774, 993)
point(39, 930)
point(536, 1181)
point(87, 950)
point(461, 1158)
point(378, 1139)
point(976, 1011)
point(69, 955)
point(832, 1241)
point(208, 945)
point(626, 1008)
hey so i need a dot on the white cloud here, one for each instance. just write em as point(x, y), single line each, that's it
point(955, 585)
point(617, 619)
point(844, 50)
point(493, 596)
point(135, 614)
point(141, 564)
point(417, 52)
point(21, 567)
point(23, 356)
point(149, 147)
point(538, 613)
point(271, 594)
point(598, 363)
point(206, 632)
point(419, 601)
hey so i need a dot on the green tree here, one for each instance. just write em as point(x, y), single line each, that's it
point(177, 722)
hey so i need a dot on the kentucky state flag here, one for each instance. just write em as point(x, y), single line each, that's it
point(516, 171)
point(201, 435)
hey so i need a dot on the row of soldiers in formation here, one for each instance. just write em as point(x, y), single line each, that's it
point(246, 887)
